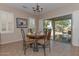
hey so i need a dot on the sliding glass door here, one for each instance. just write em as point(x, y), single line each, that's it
point(63, 30)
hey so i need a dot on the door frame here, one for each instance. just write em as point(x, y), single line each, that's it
point(69, 16)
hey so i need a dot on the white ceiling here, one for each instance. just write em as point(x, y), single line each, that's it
point(47, 7)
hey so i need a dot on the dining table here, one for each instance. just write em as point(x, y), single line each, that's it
point(35, 38)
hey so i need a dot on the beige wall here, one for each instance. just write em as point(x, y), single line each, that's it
point(37, 18)
point(16, 36)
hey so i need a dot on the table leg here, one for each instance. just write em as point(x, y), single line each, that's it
point(35, 47)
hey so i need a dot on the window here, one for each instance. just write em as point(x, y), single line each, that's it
point(41, 25)
point(31, 23)
point(6, 22)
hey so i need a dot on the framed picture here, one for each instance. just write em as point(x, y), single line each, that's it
point(21, 23)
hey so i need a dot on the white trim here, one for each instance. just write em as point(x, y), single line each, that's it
point(10, 41)
point(75, 44)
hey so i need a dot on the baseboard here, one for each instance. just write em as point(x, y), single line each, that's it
point(75, 44)
point(2, 43)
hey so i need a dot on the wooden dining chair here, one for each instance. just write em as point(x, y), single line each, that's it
point(23, 37)
point(45, 42)
point(26, 42)
point(48, 39)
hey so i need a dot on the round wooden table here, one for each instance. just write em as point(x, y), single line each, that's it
point(36, 37)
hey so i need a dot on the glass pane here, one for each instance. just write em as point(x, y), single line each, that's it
point(31, 24)
point(48, 25)
point(63, 30)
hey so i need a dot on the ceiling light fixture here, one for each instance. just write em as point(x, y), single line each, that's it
point(24, 6)
point(37, 10)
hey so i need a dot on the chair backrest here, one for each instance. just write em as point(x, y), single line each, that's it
point(48, 35)
point(30, 30)
point(69, 32)
point(23, 34)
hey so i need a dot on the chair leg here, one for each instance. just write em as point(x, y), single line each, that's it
point(49, 47)
point(24, 51)
point(44, 50)
point(24, 48)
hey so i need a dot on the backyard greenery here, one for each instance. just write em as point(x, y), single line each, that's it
point(60, 25)
point(64, 23)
